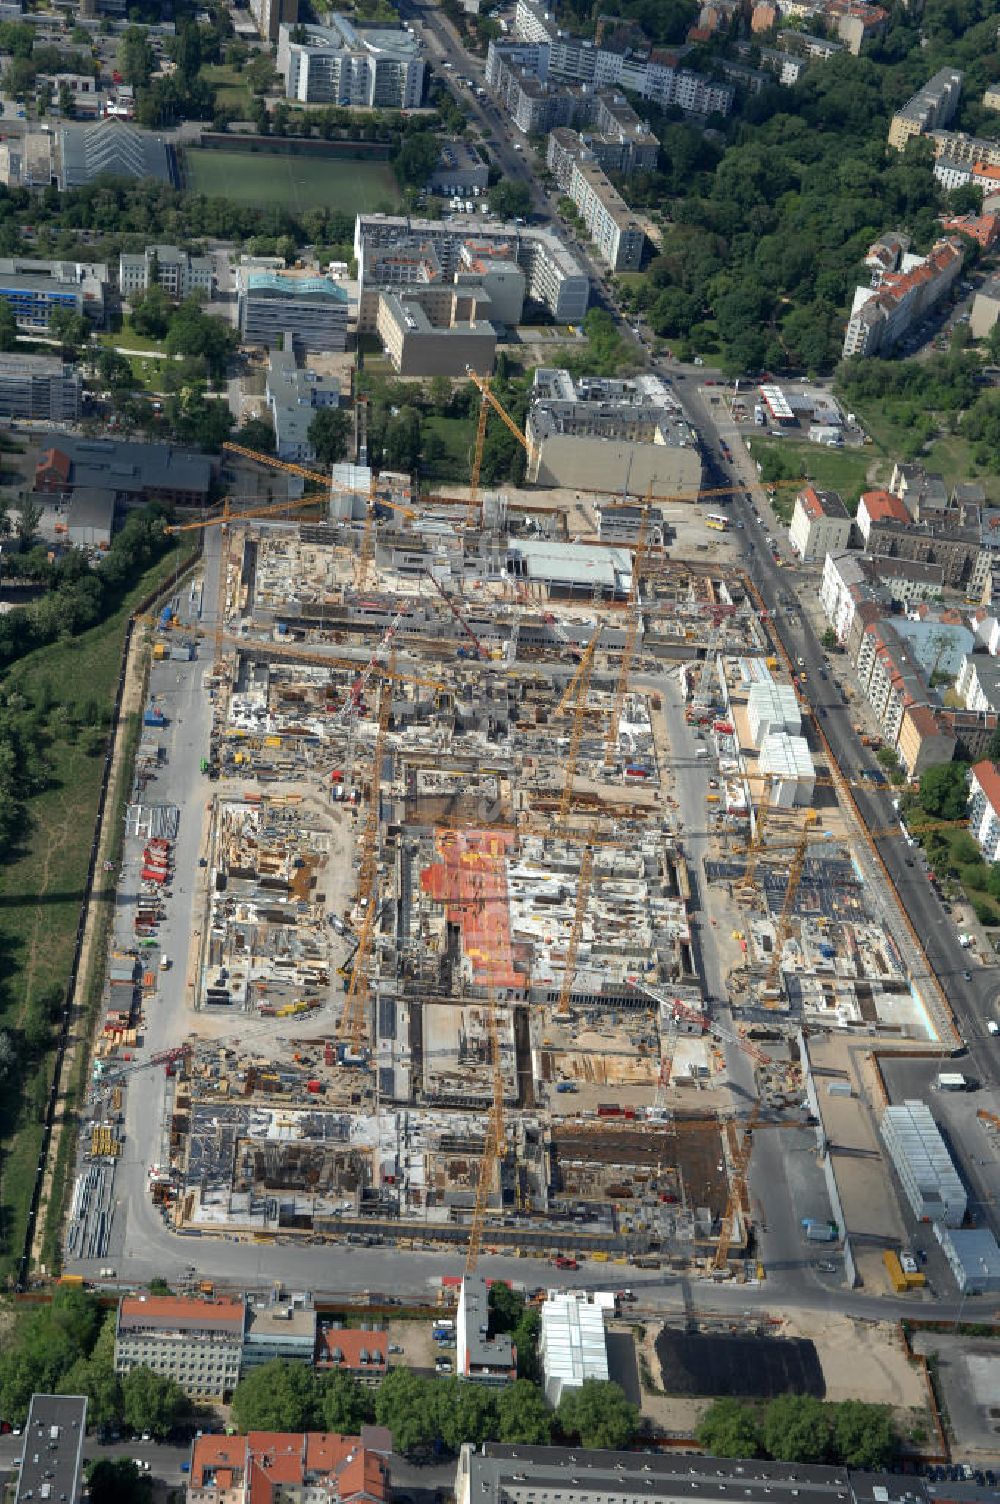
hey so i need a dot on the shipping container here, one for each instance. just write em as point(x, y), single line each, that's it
point(819, 1232)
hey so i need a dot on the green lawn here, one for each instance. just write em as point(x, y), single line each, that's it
point(291, 182)
point(230, 87)
point(843, 470)
point(41, 887)
point(940, 844)
point(127, 339)
point(949, 454)
point(457, 436)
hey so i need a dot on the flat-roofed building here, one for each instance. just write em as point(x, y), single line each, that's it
point(52, 1457)
point(973, 1257)
point(599, 433)
point(36, 288)
point(932, 106)
point(614, 229)
point(199, 1343)
point(930, 1182)
point(480, 1357)
point(39, 387)
point(418, 347)
point(282, 1327)
point(312, 310)
point(572, 1346)
point(788, 763)
point(344, 64)
point(294, 396)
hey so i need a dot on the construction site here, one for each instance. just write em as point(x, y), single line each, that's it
point(521, 875)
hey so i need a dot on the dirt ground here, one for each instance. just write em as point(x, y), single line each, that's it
point(419, 1347)
point(860, 1359)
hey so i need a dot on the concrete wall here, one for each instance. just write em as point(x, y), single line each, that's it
point(605, 465)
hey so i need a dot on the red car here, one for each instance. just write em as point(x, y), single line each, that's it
point(564, 1263)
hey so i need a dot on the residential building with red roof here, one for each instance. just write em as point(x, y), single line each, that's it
point(198, 1343)
point(881, 316)
point(364, 1355)
point(265, 1467)
point(984, 808)
point(879, 506)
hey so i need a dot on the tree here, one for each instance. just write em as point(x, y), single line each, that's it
point(29, 515)
point(466, 1412)
point(944, 791)
point(260, 73)
point(8, 327)
point(72, 328)
point(523, 1415)
point(95, 1377)
point(257, 433)
point(345, 1404)
point(510, 198)
point(863, 1435)
point(136, 59)
point(729, 1429)
point(830, 641)
point(798, 1428)
point(993, 747)
point(329, 434)
point(416, 159)
point(118, 1481)
point(598, 1414)
point(278, 1396)
point(152, 1402)
point(405, 1404)
point(152, 312)
point(506, 1307)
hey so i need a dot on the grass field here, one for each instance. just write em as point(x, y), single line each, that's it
point(230, 86)
point(41, 887)
point(843, 470)
point(457, 438)
point(291, 182)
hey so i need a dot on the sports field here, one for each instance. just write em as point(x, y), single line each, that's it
point(295, 183)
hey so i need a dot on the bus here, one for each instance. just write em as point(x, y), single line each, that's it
point(717, 520)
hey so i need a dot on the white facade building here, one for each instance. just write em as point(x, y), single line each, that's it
point(788, 762)
point(177, 272)
point(344, 65)
point(820, 524)
point(984, 808)
point(929, 1179)
point(772, 708)
point(572, 1346)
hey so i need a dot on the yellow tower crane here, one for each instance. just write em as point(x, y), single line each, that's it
point(631, 635)
point(488, 399)
point(575, 694)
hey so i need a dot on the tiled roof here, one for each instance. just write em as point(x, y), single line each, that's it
point(882, 506)
point(987, 775)
point(349, 1343)
point(173, 1311)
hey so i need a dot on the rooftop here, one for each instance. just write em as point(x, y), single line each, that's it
point(987, 775)
point(285, 284)
point(817, 504)
point(180, 1313)
point(882, 506)
point(53, 1448)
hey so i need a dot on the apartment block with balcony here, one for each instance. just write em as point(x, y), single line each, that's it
point(931, 107)
point(198, 1343)
point(612, 226)
point(882, 315)
point(553, 276)
point(268, 16)
point(344, 64)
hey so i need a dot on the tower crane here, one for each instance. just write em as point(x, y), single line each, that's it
point(583, 881)
point(631, 634)
point(352, 1021)
point(488, 399)
point(459, 616)
point(576, 694)
point(230, 515)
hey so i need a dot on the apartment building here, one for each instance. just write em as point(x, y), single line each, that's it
point(958, 550)
point(925, 739)
point(598, 433)
point(312, 310)
point(622, 59)
point(985, 308)
point(363, 1355)
point(481, 1358)
point(930, 108)
point(35, 288)
point(178, 272)
point(984, 808)
point(880, 506)
point(553, 276)
point(294, 396)
point(882, 315)
point(343, 64)
point(39, 387)
point(978, 682)
point(852, 579)
point(417, 346)
point(856, 21)
point(614, 229)
point(820, 524)
point(268, 16)
point(269, 1467)
point(619, 138)
point(960, 147)
point(198, 1343)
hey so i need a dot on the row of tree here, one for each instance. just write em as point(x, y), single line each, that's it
point(68, 1347)
point(800, 1428)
